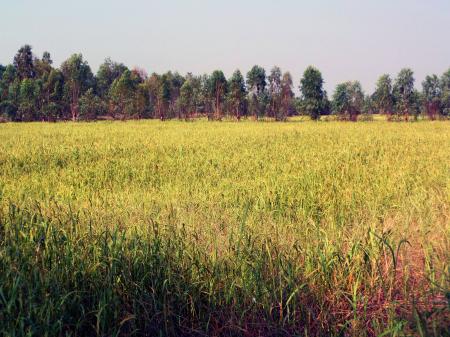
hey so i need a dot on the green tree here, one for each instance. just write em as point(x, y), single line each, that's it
point(28, 96)
point(9, 75)
point(404, 93)
point(432, 96)
point(176, 82)
point(121, 95)
point(23, 61)
point(383, 99)
point(274, 92)
point(445, 89)
point(106, 74)
point(91, 105)
point(53, 95)
point(368, 107)
point(9, 93)
point(311, 88)
point(78, 79)
point(217, 90)
point(348, 100)
point(258, 98)
point(256, 79)
point(186, 99)
point(159, 95)
point(237, 94)
point(2, 70)
point(287, 97)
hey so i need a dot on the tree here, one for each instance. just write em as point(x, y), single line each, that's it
point(217, 90)
point(404, 92)
point(383, 99)
point(53, 95)
point(197, 92)
point(256, 83)
point(142, 100)
point(176, 82)
point(236, 94)
point(348, 100)
point(23, 62)
point(311, 87)
point(91, 105)
point(432, 96)
point(256, 79)
point(368, 107)
point(9, 75)
point(274, 91)
point(2, 70)
point(164, 96)
point(46, 58)
point(445, 89)
point(78, 79)
point(121, 95)
point(43, 66)
point(28, 95)
point(287, 97)
point(106, 74)
point(9, 93)
point(186, 99)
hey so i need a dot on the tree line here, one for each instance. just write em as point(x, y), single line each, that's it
point(32, 89)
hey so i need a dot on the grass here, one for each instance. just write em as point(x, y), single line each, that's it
point(224, 229)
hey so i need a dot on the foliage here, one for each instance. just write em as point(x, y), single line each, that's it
point(348, 100)
point(404, 93)
point(383, 97)
point(32, 89)
point(311, 87)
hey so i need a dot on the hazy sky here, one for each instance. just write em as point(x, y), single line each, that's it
point(345, 39)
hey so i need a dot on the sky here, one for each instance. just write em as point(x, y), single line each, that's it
point(345, 39)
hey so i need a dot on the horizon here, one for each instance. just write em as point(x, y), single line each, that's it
point(354, 44)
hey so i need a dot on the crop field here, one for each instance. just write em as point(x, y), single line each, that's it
point(225, 229)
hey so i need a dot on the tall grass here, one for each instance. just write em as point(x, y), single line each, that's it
point(149, 228)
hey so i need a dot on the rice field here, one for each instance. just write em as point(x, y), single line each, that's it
point(149, 228)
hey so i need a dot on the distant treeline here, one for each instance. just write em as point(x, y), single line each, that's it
point(31, 89)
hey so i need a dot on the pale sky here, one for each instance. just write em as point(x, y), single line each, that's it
point(345, 39)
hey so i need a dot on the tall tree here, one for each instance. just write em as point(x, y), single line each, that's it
point(445, 89)
point(28, 96)
point(382, 97)
point(237, 94)
point(311, 87)
point(78, 79)
point(91, 105)
point(348, 100)
point(256, 79)
point(186, 99)
point(53, 95)
point(274, 91)
point(404, 92)
point(122, 93)
point(23, 61)
point(9, 93)
point(432, 96)
point(106, 74)
point(164, 96)
point(287, 97)
point(176, 82)
point(258, 98)
point(2, 69)
point(218, 89)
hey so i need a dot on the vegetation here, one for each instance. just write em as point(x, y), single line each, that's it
point(31, 89)
point(238, 229)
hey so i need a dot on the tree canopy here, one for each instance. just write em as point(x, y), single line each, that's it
point(32, 88)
